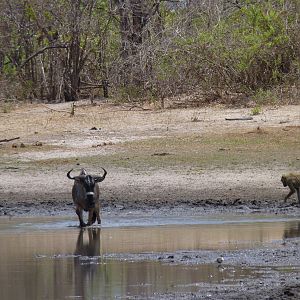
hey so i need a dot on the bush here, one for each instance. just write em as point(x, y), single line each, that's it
point(252, 49)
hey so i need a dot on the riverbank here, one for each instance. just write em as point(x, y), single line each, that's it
point(160, 162)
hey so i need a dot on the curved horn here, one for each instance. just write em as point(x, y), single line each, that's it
point(80, 177)
point(100, 178)
point(69, 176)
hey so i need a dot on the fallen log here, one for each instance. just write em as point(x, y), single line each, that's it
point(9, 140)
point(239, 119)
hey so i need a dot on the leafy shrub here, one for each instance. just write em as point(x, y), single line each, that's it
point(251, 49)
point(256, 110)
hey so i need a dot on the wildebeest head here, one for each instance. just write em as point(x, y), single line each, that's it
point(89, 182)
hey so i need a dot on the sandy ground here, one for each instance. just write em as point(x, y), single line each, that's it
point(186, 160)
point(170, 171)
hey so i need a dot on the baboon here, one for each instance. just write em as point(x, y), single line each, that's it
point(293, 182)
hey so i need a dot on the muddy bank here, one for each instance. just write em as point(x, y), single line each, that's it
point(145, 200)
point(45, 205)
point(47, 192)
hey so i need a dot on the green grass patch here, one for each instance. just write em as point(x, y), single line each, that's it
point(260, 148)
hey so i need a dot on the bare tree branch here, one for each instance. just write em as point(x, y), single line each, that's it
point(40, 52)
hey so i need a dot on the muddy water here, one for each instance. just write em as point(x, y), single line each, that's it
point(53, 259)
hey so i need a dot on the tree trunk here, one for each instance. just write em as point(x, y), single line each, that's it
point(74, 57)
point(2, 58)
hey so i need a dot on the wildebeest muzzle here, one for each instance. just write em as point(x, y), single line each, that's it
point(89, 185)
point(90, 199)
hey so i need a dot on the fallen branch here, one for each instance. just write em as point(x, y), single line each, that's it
point(57, 110)
point(138, 107)
point(239, 119)
point(9, 140)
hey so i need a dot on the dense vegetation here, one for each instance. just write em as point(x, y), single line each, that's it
point(61, 50)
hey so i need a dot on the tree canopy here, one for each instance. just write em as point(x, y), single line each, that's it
point(62, 50)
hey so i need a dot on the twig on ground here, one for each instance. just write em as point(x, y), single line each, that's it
point(9, 140)
point(239, 119)
point(57, 110)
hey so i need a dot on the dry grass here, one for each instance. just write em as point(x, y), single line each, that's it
point(196, 153)
point(151, 140)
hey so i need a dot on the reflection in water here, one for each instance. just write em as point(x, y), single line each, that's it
point(92, 246)
point(292, 231)
point(68, 262)
point(228, 236)
point(86, 259)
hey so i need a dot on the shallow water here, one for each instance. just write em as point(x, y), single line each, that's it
point(51, 258)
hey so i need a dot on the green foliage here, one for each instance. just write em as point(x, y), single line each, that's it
point(262, 36)
point(8, 68)
point(30, 12)
point(256, 110)
point(258, 44)
point(250, 49)
point(264, 97)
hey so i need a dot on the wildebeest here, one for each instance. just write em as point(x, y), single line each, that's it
point(85, 194)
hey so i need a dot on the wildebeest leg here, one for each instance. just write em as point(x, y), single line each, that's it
point(91, 219)
point(98, 216)
point(79, 214)
point(94, 217)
